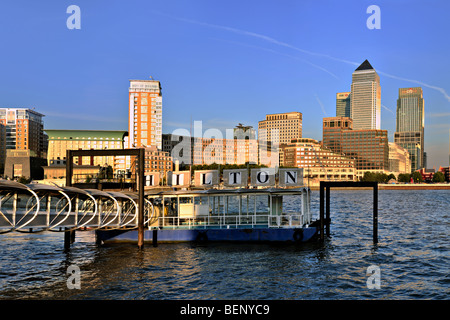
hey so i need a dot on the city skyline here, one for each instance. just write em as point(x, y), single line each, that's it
point(223, 66)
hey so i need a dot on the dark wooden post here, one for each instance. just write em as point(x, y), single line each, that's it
point(67, 239)
point(375, 213)
point(321, 211)
point(327, 212)
point(69, 168)
point(155, 237)
point(141, 198)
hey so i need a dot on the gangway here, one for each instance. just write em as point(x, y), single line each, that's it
point(40, 207)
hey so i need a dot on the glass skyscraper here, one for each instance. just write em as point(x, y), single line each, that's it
point(343, 104)
point(410, 124)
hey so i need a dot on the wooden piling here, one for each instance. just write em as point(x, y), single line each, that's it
point(327, 211)
point(327, 220)
point(321, 218)
point(141, 199)
point(155, 237)
point(375, 214)
point(67, 239)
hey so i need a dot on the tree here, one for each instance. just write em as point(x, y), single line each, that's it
point(438, 177)
point(391, 176)
point(417, 177)
point(404, 177)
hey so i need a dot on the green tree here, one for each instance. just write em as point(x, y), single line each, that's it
point(392, 176)
point(404, 177)
point(438, 177)
point(417, 177)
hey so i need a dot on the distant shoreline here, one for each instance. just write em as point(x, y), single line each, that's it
point(418, 186)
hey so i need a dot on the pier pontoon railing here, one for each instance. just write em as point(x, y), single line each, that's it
point(234, 221)
point(19, 205)
point(40, 207)
point(231, 208)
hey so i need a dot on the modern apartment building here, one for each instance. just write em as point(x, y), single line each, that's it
point(145, 114)
point(319, 163)
point(410, 124)
point(343, 104)
point(365, 109)
point(280, 128)
point(24, 130)
point(369, 148)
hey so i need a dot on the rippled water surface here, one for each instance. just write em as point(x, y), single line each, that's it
point(412, 256)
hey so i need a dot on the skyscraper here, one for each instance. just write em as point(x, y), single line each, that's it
point(343, 104)
point(145, 114)
point(410, 124)
point(365, 108)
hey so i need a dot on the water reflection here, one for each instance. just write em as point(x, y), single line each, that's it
point(412, 254)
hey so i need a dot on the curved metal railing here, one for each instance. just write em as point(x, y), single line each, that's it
point(40, 207)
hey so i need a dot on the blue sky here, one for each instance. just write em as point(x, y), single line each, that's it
point(223, 62)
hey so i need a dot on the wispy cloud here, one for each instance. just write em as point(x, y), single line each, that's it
point(308, 52)
point(321, 104)
point(441, 90)
point(261, 37)
point(386, 108)
point(282, 54)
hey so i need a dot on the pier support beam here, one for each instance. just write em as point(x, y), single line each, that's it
point(375, 213)
point(141, 199)
point(155, 237)
point(69, 238)
point(345, 184)
point(138, 152)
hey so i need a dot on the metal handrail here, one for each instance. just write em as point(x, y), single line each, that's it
point(235, 221)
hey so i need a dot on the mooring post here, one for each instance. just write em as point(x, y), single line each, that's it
point(155, 237)
point(327, 212)
point(67, 239)
point(69, 168)
point(321, 212)
point(141, 199)
point(375, 213)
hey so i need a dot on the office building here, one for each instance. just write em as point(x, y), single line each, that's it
point(145, 114)
point(206, 151)
point(365, 109)
point(280, 128)
point(343, 100)
point(369, 148)
point(399, 161)
point(410, 124)
point(60, 141)
point(319, 163)
point(157, 161)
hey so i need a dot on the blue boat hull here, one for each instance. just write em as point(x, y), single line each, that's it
point(212, 235)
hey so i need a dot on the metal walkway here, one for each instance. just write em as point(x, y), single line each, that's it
point(41, 207)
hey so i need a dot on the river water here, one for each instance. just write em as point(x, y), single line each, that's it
point(411, 260)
